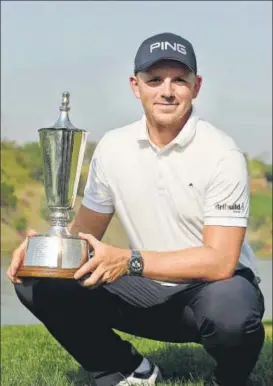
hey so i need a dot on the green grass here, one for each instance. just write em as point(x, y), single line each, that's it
point(31, 357)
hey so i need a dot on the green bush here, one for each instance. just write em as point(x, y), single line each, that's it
point(34, 160)
point(257, 244)
point(257, 168)
point(255, 223)
point(261, 205)
point(8, 198)
point(20, 223)
point(44, 210)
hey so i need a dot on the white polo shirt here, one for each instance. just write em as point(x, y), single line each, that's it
point(164, 196)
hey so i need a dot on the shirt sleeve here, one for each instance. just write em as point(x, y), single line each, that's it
point(97, 193)
point(227, 196)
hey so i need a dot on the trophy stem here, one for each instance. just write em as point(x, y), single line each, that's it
point(59, 221)
point(59, 217)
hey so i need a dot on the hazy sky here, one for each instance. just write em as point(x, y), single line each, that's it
point(88, 48)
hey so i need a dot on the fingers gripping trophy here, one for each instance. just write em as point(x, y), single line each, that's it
point(57, 253)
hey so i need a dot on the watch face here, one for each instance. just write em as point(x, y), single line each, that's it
point(136, 265)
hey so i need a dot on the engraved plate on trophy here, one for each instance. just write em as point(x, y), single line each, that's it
point(43, 251)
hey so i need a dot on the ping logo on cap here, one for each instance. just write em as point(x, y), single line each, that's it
point(165, 45)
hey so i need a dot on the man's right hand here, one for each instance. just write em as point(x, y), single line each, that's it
point(18, 259)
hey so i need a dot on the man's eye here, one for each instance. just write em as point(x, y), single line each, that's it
point(180, 80)
point(154, 80)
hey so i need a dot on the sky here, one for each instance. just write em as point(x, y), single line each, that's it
point(87, 48)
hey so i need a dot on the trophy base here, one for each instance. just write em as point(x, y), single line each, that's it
point(53, 256)
point(46, 272)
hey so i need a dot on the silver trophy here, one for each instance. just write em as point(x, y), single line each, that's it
point(57, 253)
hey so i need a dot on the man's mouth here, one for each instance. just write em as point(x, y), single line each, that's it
point(167, 104)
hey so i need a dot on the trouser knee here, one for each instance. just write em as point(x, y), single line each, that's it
point(47, 294)
point(58, 297)
point(229, 312)
point(24, 293)
point(229, 332)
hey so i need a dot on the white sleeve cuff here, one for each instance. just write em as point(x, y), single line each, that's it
point(226, 221)
point(97, 207)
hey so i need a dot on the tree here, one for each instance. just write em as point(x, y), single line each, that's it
point(34, 160)
point(256, 168)
point(268, 173)
point(13, 165)
point(8, 198)
point(21, 223)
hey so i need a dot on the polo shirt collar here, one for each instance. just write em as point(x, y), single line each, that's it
point(182, 139)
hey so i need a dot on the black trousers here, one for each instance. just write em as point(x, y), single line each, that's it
point(223, 316)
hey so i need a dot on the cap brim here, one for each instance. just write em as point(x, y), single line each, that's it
point(147, 65)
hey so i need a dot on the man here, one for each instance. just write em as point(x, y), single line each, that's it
point(180, 187)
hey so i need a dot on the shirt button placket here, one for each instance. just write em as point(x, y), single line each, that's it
point(160, 178)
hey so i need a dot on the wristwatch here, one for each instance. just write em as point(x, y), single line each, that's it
point(135, 265)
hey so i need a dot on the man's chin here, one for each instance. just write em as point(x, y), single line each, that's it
point(165, 119)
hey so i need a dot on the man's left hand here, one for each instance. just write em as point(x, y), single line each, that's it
point(107, 264)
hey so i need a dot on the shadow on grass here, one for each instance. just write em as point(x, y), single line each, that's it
point(78, 378)
point(190, 364)
point(185, 362)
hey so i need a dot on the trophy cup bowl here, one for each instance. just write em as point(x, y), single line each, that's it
point(57, 253)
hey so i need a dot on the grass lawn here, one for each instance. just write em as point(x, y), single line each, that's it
point(31, 357)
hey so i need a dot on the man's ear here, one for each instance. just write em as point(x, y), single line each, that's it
point(134, 85)
point(197, 85)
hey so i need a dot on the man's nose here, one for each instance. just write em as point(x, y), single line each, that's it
point(167, 90)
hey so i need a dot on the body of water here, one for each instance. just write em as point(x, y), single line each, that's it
point(14, 313)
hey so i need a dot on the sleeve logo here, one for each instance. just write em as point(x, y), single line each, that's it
point(233, 207)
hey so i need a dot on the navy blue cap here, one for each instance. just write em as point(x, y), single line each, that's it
point(162, 47)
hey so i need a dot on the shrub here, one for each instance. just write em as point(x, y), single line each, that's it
point(44, 210)
point(20, 223)
point(256, 222)
point(257, 244)
point(8, 198)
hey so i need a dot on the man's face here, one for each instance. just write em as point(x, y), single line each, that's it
point(166, 91)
